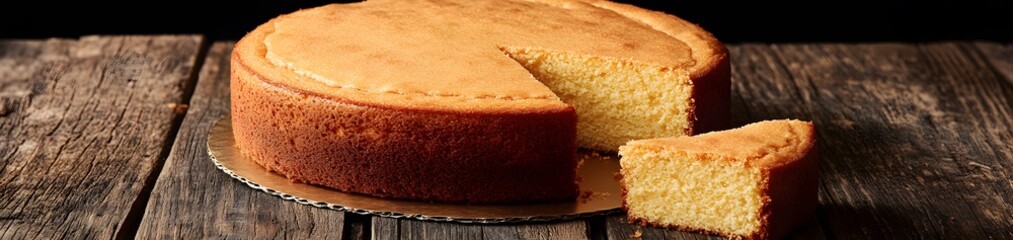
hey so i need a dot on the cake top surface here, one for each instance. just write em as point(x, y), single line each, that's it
point(765, 143)
point(454, 47)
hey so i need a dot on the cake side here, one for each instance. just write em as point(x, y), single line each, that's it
point(506, 154)
point(792, 207)
point(711, 106)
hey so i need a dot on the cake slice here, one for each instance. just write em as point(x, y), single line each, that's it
point(754, 182)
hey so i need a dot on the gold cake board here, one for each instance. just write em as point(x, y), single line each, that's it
point(600, 192)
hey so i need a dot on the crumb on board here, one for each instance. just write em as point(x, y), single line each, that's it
point(586, 196)
point(636, 234)
point(178, 107)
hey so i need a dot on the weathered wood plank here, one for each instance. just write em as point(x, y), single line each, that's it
point(194, 200)
point(1001, 58)
point(390, 228)
point(618, 227)
point(915, 139)
point(83, 125)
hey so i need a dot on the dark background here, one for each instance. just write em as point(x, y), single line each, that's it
point(753, 21)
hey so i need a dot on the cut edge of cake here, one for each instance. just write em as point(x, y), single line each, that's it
point(655, 96)
point(779, 189)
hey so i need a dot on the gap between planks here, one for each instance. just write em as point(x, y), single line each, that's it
point(130, 224)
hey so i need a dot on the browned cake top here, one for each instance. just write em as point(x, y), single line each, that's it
point(766, 143)
point(452, 48)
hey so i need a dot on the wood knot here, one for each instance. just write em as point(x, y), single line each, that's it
point(8, 105)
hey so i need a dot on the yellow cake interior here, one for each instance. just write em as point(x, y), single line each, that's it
point(706, 193)
point(614, 99)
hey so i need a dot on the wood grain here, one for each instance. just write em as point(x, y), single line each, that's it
point(194, 200)
point(390, 228)
point(84, 123)
point(618, 227)
point(915, 139)
point(1000, 56)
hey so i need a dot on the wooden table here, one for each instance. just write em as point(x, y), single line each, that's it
point(97, 141)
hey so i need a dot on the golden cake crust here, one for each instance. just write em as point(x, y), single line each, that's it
point(752, 145)
point(498, 137)
point(399, 42)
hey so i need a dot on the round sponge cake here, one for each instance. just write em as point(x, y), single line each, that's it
point(467, 101)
